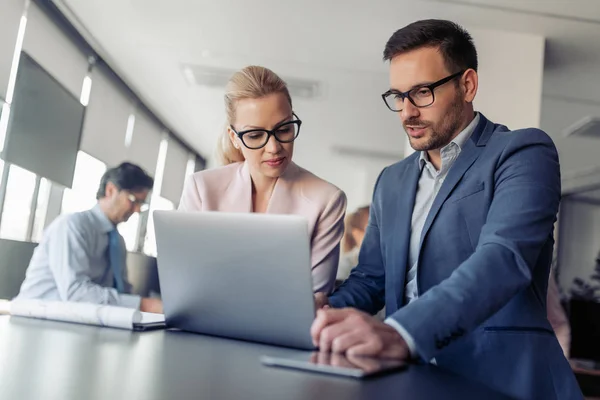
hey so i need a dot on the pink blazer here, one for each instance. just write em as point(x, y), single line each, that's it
point(297, 191)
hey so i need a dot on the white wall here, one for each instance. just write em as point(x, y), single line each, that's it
point(578, 241)
point(510, 77)
point(579, 156)
point(350, 116)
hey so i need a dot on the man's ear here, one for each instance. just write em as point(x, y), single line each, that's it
point(110, 189)
point(470, 84)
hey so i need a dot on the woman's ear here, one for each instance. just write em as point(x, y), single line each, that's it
point(233, 137)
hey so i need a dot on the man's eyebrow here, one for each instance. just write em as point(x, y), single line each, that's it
point(418, 85)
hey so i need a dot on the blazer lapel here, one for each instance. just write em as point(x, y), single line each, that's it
point(407, 190)
point(281, 201)
point(468, 155)
point(238, 196)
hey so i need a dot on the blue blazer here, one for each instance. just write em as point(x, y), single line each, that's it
point(484, 263)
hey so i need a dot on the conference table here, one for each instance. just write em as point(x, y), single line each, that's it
point(56, 360)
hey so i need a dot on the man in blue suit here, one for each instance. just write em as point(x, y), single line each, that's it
point(459, 241)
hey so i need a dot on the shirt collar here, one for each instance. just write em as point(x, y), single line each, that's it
point(460, 140)
point(105, 225)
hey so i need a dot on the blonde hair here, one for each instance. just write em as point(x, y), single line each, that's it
point(252, 82)
point(356, 220)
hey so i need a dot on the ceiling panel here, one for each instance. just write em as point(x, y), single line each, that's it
point(584, 10)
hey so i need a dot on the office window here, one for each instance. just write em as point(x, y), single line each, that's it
point(88, 172)
point(41, 210)
point(158, 203)
point(174, 172)
point(129, 231)
point(17, 204)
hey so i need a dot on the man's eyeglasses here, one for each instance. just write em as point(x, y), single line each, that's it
point(285, 132)
point(420, 96)
point(137, 202)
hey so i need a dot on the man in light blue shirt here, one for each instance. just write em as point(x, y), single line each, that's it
point(82, 256)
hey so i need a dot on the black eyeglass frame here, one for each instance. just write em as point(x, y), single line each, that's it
point(431, 87)
point(270, 133)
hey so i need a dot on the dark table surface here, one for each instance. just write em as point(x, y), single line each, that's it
point(54, 360)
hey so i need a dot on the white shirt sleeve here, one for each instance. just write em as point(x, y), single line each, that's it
point(410, 342)
point(130, 301)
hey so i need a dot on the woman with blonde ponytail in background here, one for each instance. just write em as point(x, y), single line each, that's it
point(258, 174)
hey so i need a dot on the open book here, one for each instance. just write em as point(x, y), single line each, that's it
point(85, 313)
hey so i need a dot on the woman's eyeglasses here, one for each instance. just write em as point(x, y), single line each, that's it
point(285, 132)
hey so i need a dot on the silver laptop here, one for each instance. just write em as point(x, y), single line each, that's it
point(243, 276)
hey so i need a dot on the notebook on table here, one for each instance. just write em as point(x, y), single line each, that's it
point(84, 313)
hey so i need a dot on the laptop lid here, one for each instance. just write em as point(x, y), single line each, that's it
point(243, 276)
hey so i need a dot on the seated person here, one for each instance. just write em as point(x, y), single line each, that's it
point(82, 256)
point(355, 226)
point(259, 175)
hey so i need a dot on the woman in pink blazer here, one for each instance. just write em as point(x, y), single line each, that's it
point(258, 175)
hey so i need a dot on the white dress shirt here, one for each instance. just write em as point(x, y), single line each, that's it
point(71, 263)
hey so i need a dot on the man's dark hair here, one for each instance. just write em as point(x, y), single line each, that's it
point(453, 41)
point(126, 176)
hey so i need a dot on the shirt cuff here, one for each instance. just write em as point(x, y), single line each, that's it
point(130, 301)
point(410, 342)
